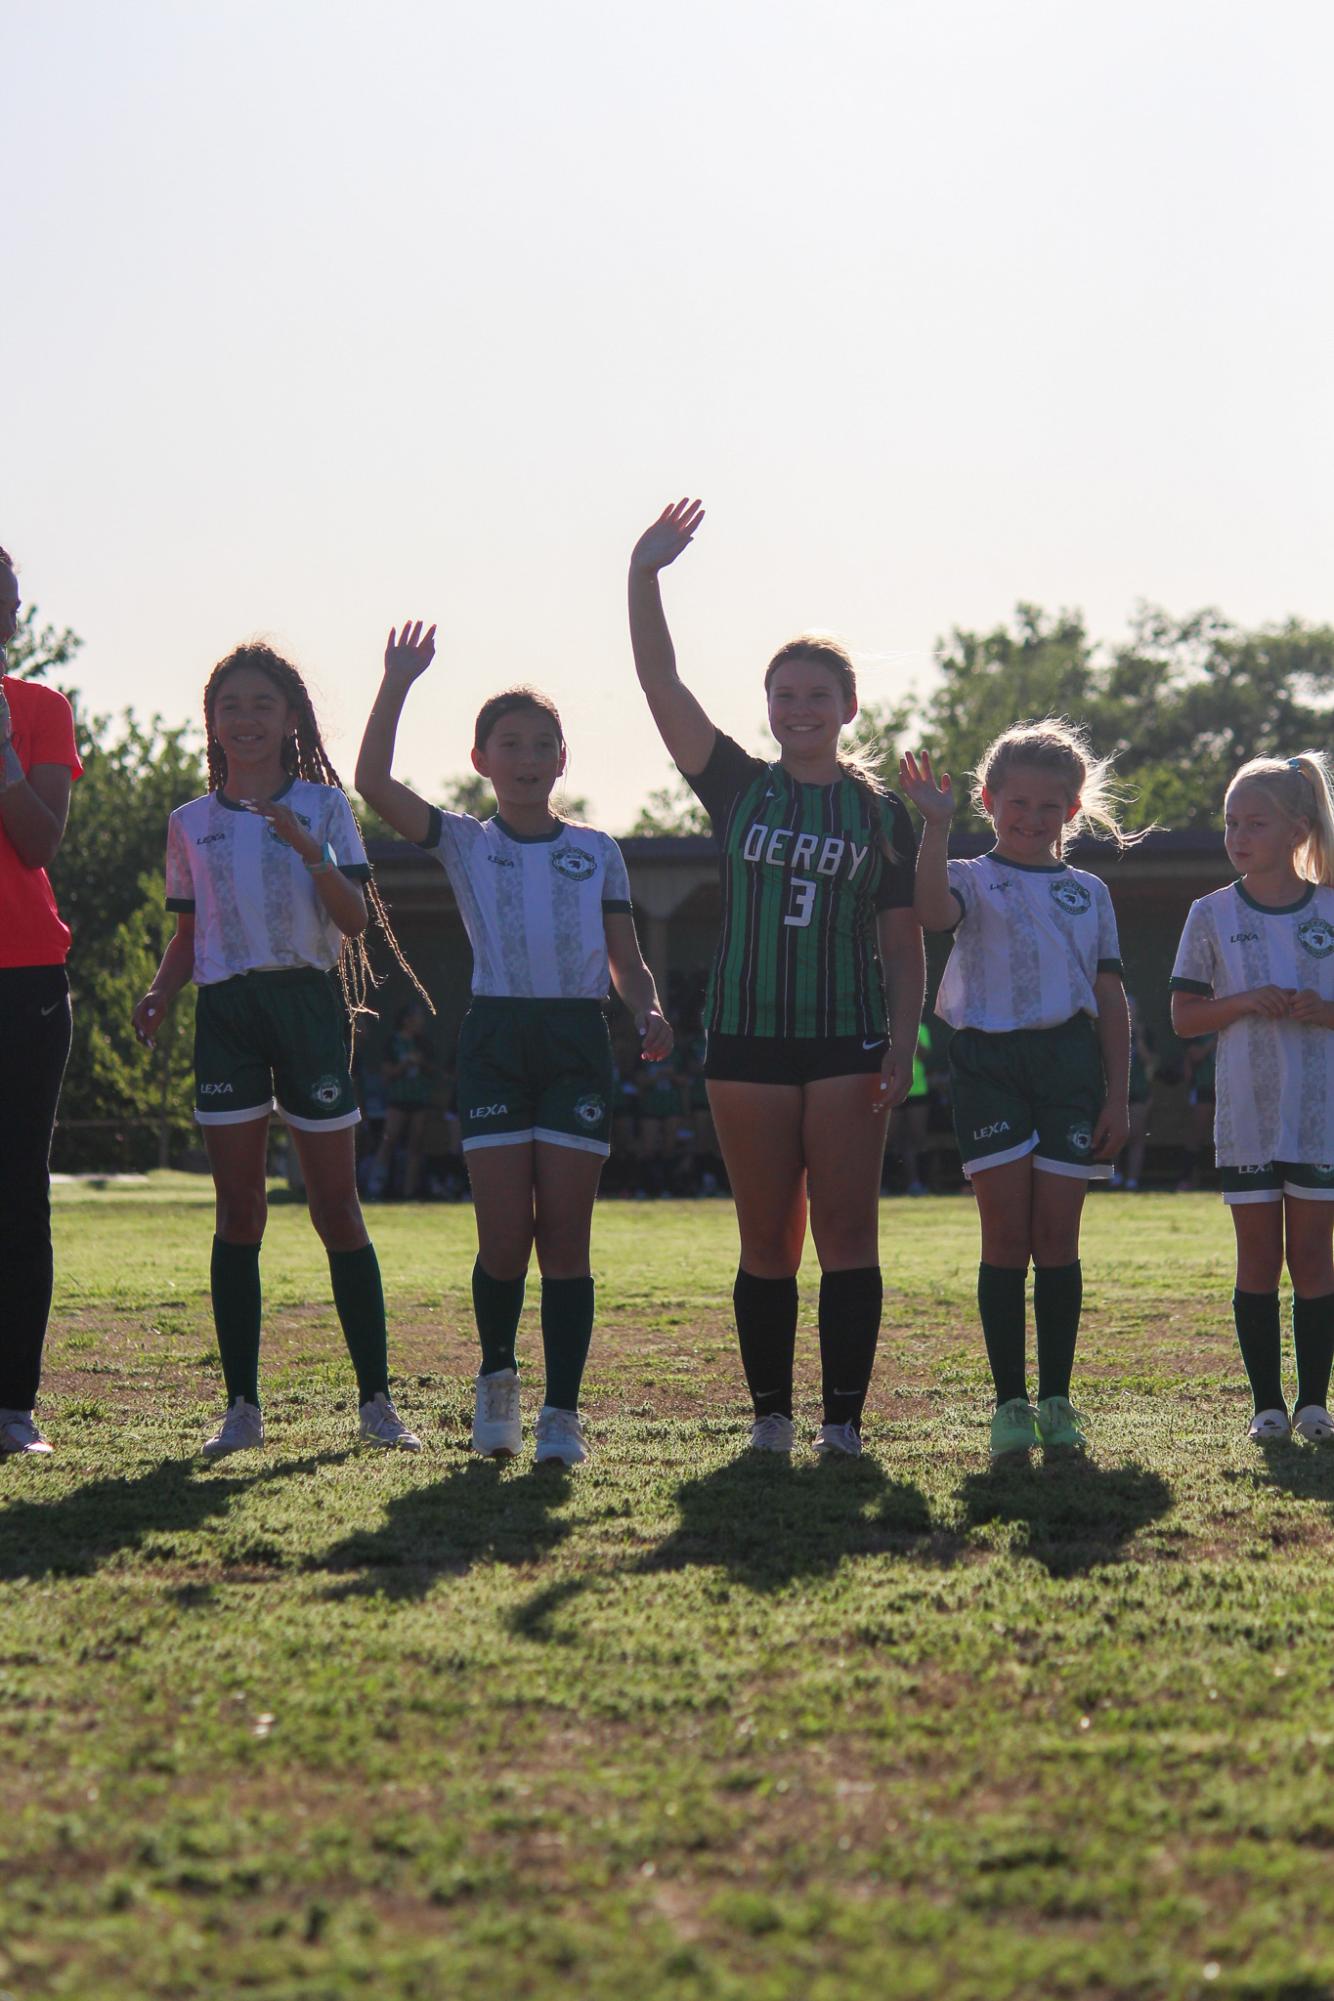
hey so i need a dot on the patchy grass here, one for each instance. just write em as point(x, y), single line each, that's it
point(318, 1723)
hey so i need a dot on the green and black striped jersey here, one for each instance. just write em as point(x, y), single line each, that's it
point(805, 869)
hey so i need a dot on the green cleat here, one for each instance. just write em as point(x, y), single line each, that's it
point(1014, 1432)
point(1061, 1428)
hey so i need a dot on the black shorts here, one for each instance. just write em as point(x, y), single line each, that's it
point(786, 1059)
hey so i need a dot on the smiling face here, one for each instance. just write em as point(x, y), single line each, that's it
point(807, 708)
point(1029, 809)
point(252, 720)
point(523, 756)
point(1259, 837)
point(9, 604)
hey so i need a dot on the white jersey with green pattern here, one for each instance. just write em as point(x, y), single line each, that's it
point(1274, 1082)
point(1029, 944)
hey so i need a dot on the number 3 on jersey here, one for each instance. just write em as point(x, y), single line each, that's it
point(803, 902)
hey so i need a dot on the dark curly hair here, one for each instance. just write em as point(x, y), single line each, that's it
point(304, 756)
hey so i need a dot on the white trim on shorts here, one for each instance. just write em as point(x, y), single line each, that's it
point(240, 1118)
point(1236, 1198)
point(601, 1146)
point(1097, 1170)
point(496, 1139)
point(344, 1119)
point(985, 1160)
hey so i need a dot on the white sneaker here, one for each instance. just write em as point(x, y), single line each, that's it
point(1267, 1427)
point(833, 1440)
point(18, 1433)
point(496, 1428)
point(241, 1428)
point(774, 1433)
point(382, 1425)
point(1313, 1423)
point(560, 1437)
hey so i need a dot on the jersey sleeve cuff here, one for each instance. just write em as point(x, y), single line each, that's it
point(184, 904)
point(1177, 985)
point(618, 906)
point(434, 828)
point(355, 871)
point(1110, 966)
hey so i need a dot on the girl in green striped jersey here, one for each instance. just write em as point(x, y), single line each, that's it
point(814, 1000)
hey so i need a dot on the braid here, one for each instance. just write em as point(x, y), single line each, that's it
point(305, 757)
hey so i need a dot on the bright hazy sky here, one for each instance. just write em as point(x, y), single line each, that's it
point(323, 314)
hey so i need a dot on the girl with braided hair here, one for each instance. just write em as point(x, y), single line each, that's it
point(270, 884)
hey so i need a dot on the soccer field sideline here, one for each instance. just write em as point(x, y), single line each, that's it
point(682, 1724)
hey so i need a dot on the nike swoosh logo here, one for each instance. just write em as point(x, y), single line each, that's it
point(876, 1042)
point(49, 1010)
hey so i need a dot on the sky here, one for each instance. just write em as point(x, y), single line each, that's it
point(323, 315)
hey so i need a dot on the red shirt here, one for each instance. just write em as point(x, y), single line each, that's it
point(31, 933)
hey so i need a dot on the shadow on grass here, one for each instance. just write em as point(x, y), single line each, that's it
point(766, 1522)
point(1304, 1471)
point(72, 1535)
point(477, 1514)
point(1079, 1516)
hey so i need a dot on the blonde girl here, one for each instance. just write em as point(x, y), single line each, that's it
point(1256, 967)
point(1040, 1056)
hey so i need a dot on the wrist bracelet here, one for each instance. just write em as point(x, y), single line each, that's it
point(326, 861)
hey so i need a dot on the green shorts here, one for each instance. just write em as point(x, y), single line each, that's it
point(1273, 1179)
point(280, 1034)
point(535, 1069)
point(1031, 1090)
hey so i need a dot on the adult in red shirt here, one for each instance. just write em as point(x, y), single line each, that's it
point(38, 764)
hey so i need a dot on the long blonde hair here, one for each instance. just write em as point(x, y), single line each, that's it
point(1061, 747)
point(1300, 788)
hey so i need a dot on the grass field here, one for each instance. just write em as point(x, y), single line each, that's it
point(320, 1723)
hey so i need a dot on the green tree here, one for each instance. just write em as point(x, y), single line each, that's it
point(127, 1083)
point(35, 652)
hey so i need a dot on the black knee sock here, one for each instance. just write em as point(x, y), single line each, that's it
point(766, 1325)
point(850, 1303)
point(1058, 1295)
point(567, 1328)
point(234, 1283)
point(359, 1297)
point(497, 1303)
point(1000, 1301)
point(1313, 1339)
point(1256, 1315)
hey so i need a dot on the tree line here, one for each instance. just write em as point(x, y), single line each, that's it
point(1181, 703)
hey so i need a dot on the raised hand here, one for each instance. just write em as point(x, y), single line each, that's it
point(409, 651)
point(284, 823)
point(934, 800)
point(673, 530)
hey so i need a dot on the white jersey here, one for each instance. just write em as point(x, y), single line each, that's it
point(533, 908)
point(1028, 946)
point(1274, 1088)
point(255, 903)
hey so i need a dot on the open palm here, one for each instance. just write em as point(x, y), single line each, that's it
point(409, 651)
point(934, 800)
point(670, 534)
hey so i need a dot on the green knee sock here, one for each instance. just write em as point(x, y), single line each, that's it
point(1256, 1315)
point(1000, 1301)
point(1058, 1296)
point(234, 1283)
point(567, 1329)
point(359, 1298)
point(497, 1303)
point(1313, 1339)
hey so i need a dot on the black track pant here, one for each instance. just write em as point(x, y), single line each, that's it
point(34, 1046)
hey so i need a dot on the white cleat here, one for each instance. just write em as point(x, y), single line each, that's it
point(240, 1431)
point(382, 1425)
point(1269, 1427)
point(496, 1428)
point(18, 1433)
point(833, 1441)
point(1313, 1423)
point(774, 1433)
point(560, 1437)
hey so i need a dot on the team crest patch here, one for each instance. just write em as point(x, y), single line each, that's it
point(591, 1110)
point(576, 863)
point(1079, 1139)
point(1071, 896)
point(327, 1090)
point(1324, 1171)
point(1316, 937)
